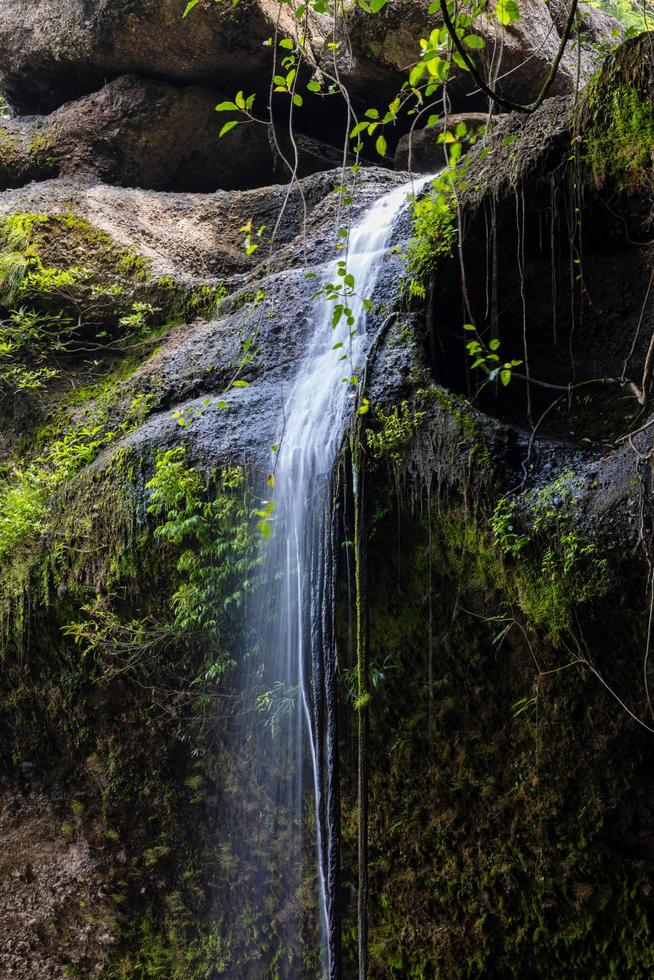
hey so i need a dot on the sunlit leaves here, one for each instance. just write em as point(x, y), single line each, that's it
point(372, 6)
point(507, 12)
point(249, 244)
point(227, 127)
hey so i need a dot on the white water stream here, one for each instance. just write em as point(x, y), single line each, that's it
point(298, 645)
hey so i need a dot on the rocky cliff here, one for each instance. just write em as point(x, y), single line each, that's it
point(154, 302)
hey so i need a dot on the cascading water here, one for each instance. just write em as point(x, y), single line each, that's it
point(295, 628)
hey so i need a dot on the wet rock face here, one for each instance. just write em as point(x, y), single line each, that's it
point(47, 877)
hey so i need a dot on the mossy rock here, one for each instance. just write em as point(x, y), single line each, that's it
point(615, 119)
point(26, 152)
point(62, 263)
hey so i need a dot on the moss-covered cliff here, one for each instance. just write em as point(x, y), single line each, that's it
point(506, 579)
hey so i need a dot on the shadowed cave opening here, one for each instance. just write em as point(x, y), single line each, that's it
point(570, 299)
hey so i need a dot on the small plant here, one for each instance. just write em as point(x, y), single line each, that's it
point(557, 565)
point(139, 319)
point(486, 357)
point(398, 426)
point(212, 537)
point(434, 233)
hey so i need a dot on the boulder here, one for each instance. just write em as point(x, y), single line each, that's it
point(140, 132)
point(596, 26)
point(519, 56)
point(197, 239)
point(421, 152)
point(52, 51)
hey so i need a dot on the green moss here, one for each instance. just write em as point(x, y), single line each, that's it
point(434, 232)
point(620, 148)
point(553, 566)
point(394, 430)
point(40, 148)
point(497, 793)
point(615, 119)
point(10, 154)
point(61, 262)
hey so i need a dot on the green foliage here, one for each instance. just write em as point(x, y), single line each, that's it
point(486, 357)
point(71, 440)
point(615, 119)
point(27, 339)
point(159, 953)
point(634, 15)
point(557, 567)
point(434, 233)
point(398, 425)
point(212, 537)
point(22, 506)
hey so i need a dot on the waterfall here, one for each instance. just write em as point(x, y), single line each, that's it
point(296, 631)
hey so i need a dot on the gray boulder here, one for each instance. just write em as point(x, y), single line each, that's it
point(52, 51)
point(139, 132)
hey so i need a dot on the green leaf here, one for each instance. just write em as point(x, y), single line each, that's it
point(226, 107)
point(358, 129)
point(507, 11)
point(439, 68)
point(240, 384)
point(455, 153)
point(313, 86)
point(474, 42)
point(226, 128)
point(505, 376)
point(376, 5)
point(286, 43)
point(380, 145)
point(189, 7)
point(297, 100)
point(494, 344)
point(417, 72)
point(239, 99)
